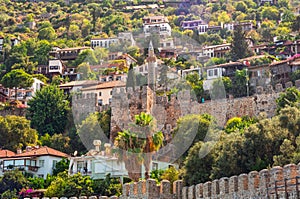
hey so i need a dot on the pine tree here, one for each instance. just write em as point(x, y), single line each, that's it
point(131, 78)
point(239, 48)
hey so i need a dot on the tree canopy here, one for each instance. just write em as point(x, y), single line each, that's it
point(48, 110)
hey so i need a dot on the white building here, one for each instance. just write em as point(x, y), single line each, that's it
point(104, 91)
point(126, 37)
point(163, 29)
point(38, 161)
point(103, 42)
point(55, 66)
point(216, 50)
point(98, 164)
point(157, 24)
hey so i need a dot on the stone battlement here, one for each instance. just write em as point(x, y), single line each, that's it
point(277, 182)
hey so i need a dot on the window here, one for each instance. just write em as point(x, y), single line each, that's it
point(111, 92)
point(100, 94)
point(216, 72)
point(54, 163)
point(110, 100)
point(41, 163)
point(100, 102)
point(210, 73)
point(41, 175)
point(154, 166)
point(80, 166)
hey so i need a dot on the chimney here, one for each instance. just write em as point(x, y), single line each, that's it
point(28, 148)
point(107, 149)
point(97, 144)
point(19, 151)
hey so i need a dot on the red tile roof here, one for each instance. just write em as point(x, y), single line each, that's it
point(41, 152)
point(6, 153)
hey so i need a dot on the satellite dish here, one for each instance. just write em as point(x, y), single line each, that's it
point(75, 153)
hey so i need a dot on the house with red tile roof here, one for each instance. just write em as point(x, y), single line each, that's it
point(38, 161)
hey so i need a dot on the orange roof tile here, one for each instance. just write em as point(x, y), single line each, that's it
point(6, 153)
point(42, 151)
point(110, 84)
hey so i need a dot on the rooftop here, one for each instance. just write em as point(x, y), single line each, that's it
point(6, 153)
point(41, 152)
point(111, 84)
point(79, 83)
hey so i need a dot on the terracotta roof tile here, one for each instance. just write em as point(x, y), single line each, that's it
point(6, 153)
point(42, 151)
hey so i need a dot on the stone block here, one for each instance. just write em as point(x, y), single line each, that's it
point(151, 189)
point(264, 179)
point(114, 197)
point(185, 193)
point(290, 174)
point(233, 184)
point(207, 189)
point(278, 88)
point(276, 179)
point(288, 84)
point(93, 197)
point(103, 197)
point(259, 90)
point(199, 190)
point(165, 189)
point(126, 189)
point(141, 188)
point(177, 187)
point(83, 197)
point(224, 186)
point(191, 192)
point(215, 189)
point(253, 183)
point(297, 83)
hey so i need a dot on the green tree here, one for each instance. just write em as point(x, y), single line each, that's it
point(137, 147)
point(59, 142)
point(87, 56)
point(13, 181)
point(47, 33)
point(48, 110)
point(239, 48)
point(41, 52)
point(70, 186)
point(241, 6)
point(296, 24)
point(107, 187)
point(201, 173)
point(85, 71)
point(15, 132)
point(271, 13)
point(17, 79)
point(61, 166)
point(289, 98)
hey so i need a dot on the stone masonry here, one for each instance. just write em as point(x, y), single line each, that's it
point(277, 182)
point(167, 111)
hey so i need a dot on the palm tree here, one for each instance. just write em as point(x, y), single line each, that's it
point(137, 145)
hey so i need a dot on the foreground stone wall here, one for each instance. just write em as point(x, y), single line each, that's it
point(277, 182)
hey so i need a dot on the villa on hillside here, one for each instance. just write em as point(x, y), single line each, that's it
point(38, 161)
point(98, 163)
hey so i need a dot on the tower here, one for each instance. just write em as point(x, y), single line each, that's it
point(152, 70)
point(152, 67)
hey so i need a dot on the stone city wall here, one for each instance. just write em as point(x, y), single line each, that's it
point(277, 182)
point(128, 103)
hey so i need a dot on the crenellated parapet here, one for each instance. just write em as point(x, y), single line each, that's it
point(277, 182)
